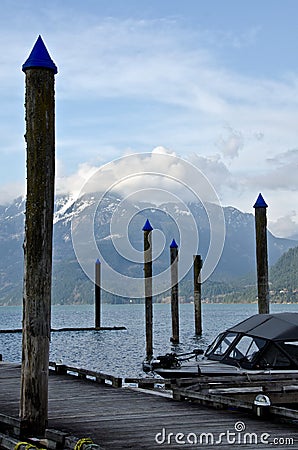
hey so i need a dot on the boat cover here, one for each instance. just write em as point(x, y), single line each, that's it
point(275, 327)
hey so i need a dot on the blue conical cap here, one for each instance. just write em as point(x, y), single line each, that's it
point(147, 226)
point(173, 244)
point(39, 58)
point(97, 261)
point(260, 203)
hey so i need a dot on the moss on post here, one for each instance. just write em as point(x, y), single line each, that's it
point(197, 267)
point(147, 229)
point(174, 292)
point(40, 139)
point(262, 255)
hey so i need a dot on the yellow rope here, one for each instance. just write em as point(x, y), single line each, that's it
point(79, 445)
point(81, 442)
point(27, 446)
point(19, 445)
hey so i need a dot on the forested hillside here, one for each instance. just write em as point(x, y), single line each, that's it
point(284, 274)
point(283, 284)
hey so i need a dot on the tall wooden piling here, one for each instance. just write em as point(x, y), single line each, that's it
point(147, 229)
point(197, 266)
point(97, 294)
point(174, 292)
point(262, 254)
point(40, 138)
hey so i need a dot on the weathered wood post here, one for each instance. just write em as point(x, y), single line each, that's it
point(97, 294)
point(147, 229)
point(174, 292)
point(197, 266)
point(262, 254)
point(40, 138)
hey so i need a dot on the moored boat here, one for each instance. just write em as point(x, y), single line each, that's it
point(263, 343)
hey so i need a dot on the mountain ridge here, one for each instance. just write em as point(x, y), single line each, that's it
point(70, 284)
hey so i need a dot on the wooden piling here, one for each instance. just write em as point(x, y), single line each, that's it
point(40, 138)
point(262, 255)
point(97, 294)
point(174, 292)
point(197, 266)
point(147, 229)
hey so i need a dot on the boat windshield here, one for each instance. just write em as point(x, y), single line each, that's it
point(247, 349)
point(221, 344)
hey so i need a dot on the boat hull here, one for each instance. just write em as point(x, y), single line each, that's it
point(212, 369)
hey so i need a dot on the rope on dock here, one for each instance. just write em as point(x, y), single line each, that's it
point(26, 446)
point(86, 444)
point(82, 444)
point(19, 445)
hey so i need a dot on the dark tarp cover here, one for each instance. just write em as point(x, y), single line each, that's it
point(275, 327)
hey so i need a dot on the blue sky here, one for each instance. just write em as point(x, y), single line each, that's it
point(215, 83)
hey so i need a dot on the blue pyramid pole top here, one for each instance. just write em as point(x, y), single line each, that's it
point(97, 261)
point(147, 226)
point(39, 58)
point(260, 203)
point(173, 244)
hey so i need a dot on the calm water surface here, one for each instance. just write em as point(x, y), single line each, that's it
point(121, 353)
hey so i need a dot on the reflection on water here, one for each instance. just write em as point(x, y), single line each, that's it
point(121, 353)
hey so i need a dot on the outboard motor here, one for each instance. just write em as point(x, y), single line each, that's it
point(167, 361)
point(170, 360)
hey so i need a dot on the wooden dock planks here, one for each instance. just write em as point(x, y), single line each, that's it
point(130, 419)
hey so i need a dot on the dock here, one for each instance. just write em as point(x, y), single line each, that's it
point(85, 404)
point(60, 330)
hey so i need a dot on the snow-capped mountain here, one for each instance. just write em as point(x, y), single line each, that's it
point(70, 284)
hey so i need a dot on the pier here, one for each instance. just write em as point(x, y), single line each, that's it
point(59, 330)
point(46, 405)
point(85, 404)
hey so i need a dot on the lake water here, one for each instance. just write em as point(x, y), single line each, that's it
point(121, 353)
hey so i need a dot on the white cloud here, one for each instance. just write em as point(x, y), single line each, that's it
point(215, 170)
point(161, 170)
point(231, 144)
point(73, 183)
point(286, 226)
point(10, 191)
point(279, 174)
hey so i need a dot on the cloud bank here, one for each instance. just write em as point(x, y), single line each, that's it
point(131, 84)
